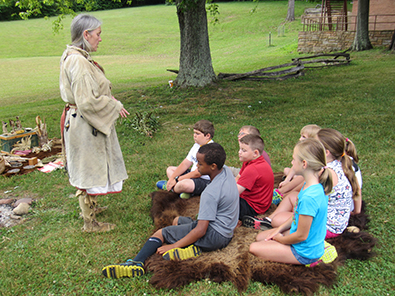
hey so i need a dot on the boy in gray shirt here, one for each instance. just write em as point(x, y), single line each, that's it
point(217, 219)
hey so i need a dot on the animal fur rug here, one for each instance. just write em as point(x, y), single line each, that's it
point(235, 264)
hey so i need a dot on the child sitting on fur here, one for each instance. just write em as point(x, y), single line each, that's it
point(292, 182)
point(300, 239)
point(344, 197)
point(256, 180)
point(217, 219)
point(185, 178)
point(250, 130)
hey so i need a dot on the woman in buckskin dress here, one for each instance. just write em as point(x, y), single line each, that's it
point(94, 159)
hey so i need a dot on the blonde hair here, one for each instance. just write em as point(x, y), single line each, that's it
point(310, 130)
point(252, 130)
point(255, 142)
point(335, 143)
point(313, 152)
point(351, 150)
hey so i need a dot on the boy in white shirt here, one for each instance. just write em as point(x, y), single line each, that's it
point(185, 178)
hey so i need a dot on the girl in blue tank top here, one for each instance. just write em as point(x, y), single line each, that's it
point(300, 239)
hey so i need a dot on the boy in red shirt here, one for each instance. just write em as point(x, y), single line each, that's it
point(255, 181)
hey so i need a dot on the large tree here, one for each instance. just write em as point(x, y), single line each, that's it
point(361, 40)
point(291, 11)
point(195, 57)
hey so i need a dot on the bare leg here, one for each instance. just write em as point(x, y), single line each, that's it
point(273, 251)
point(170, 170)
point(263, 235)
point(280, 218)
point(286, 205)
point(175, 220)
point(186, 185)
point(158, 234)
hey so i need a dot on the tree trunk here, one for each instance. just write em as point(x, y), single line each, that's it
point(361, 40)
point(196, 68)
point(291, 11)
point(392, 45)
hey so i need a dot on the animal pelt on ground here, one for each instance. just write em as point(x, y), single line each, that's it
point(361, 220)
point(235, 264)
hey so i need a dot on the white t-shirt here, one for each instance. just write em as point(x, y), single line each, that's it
point(192, 158)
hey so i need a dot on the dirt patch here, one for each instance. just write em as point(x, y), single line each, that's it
point(7, 217)
point(8, 202)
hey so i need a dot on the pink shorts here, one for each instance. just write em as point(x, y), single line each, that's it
point(330, 234)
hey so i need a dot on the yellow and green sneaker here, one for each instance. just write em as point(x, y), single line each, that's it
point(128, 269)
point(182, 253)
point(330, 254)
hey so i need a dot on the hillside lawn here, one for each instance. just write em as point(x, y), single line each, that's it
point(49, 255)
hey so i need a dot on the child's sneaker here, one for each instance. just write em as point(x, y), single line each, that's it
point(128, 269)
point(330, 254)
point(181, 254)
point(253, 222)
point(161, 184)
point(277, 197)
point(185, 195)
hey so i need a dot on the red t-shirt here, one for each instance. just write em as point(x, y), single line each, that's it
point(257, 178)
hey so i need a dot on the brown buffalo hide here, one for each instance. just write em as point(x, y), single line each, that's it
point(235, 264)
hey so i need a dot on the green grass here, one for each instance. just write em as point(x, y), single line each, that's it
point(139, 45)
point(48, 254)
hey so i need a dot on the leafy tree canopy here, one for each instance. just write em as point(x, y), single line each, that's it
point(25, 9)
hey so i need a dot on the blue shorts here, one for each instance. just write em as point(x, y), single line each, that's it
point(302, 260)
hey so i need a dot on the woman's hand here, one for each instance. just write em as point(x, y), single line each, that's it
point(124, 113)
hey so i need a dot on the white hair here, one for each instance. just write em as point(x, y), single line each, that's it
point(80, 24)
